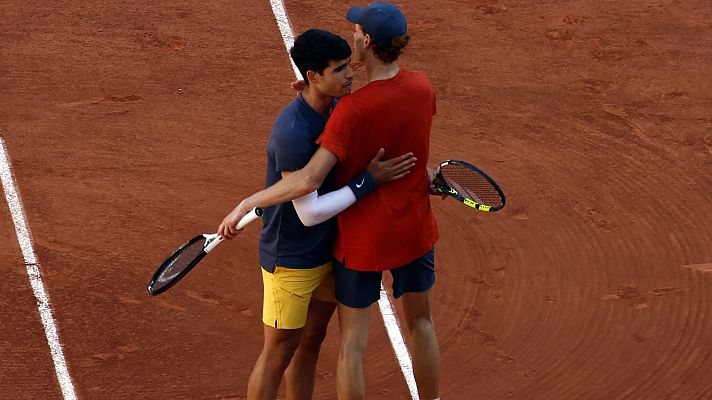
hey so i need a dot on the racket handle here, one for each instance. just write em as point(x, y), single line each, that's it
point(249, 217)
point(214, 240)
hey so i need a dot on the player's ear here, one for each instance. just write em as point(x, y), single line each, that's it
point(367, 40)
point(313, 77)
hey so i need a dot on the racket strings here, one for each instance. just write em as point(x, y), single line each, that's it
point(471, 185)
point(182, 260)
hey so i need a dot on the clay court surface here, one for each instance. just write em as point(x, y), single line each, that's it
point(133, 127)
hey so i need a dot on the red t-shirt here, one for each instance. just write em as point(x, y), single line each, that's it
point(393, 225)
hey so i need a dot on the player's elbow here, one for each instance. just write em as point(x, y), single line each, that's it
point(308, 220)
point(306, 209)
point(310, 183)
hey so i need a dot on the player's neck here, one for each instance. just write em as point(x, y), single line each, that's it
point(376, 70)
point(318, 101)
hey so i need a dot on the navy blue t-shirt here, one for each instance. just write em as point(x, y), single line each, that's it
point(285, 241)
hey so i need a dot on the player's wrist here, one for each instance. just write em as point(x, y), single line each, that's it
point(246, 205)
point(363, 184)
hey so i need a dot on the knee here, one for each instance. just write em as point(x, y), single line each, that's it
point(420, 325)
point(280, 354)
point(354, 343)
point(311, 341)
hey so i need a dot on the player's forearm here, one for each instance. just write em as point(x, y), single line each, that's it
point(293, 186)
point(314, 209)
point(296, 184)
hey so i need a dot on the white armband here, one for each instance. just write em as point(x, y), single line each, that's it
point(313, 209)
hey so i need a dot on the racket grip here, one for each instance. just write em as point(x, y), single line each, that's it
point(249, 217)
point(212, 242)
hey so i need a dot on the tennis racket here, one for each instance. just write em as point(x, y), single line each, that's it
point(470, 185)
point(178, 264)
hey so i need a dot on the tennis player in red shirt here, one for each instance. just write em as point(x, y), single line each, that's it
point(392, 228)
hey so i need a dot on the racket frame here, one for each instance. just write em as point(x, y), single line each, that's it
point(168, 262)
point(441, 186)
point(211, 241)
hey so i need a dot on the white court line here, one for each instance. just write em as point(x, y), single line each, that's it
point(390, 320)
point(33, 272)
point(285, 29)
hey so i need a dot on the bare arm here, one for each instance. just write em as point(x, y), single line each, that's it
point(295, 185)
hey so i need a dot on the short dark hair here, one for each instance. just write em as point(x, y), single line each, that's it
point(314, 48)
point(390, 52)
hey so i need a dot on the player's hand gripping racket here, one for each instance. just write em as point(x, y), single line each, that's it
point(470, 185)
point(189, 255)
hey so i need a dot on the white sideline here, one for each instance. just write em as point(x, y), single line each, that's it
point(285, 29)
point(33, 272)
point(390, 319)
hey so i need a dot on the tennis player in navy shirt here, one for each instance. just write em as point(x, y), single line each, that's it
point(285, 240)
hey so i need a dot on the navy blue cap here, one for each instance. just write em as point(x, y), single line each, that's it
point(383, 21)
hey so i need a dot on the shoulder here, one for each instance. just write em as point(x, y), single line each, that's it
point(346, 108)
point(345, 101)
point(413, 74)
point(418, 78)
point(289, 130)
point(287, 115)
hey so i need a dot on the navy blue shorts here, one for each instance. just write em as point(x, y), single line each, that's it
point(360, 289)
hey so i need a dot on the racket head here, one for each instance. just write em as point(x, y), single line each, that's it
point(470, 185)
point(178, 264)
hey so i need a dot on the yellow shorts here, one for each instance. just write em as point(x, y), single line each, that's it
point(288, 291)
